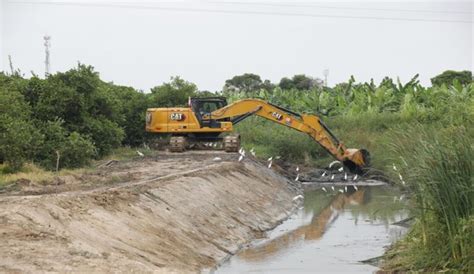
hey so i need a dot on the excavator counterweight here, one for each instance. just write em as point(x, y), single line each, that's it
point(206, 119)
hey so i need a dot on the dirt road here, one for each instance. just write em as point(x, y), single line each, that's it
point(169, 213)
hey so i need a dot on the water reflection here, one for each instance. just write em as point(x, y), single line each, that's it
point(367, 212)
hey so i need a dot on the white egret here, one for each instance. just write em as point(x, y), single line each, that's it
point(333, 163)
point(298, 197)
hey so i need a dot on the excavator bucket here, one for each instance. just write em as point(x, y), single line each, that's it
point(357, 160)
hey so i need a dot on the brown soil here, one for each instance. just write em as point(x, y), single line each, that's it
point(170, 213)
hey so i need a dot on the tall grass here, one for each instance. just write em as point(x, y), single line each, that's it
point(439, 171)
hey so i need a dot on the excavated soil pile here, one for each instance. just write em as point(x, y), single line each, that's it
point(176, 214)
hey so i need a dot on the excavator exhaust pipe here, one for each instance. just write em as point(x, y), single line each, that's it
point(357, 161)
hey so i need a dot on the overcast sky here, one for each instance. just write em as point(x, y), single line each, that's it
point(142, 44)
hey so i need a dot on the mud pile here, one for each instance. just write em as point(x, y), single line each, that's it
point(164, 221)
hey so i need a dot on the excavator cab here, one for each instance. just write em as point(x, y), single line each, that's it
point(204, 107)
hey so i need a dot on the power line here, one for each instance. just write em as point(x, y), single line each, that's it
point(338, 8)
point(223, 11)
point(279, 4)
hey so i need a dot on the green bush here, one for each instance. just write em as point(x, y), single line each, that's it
point(172, 94)
point(74, 149)
point(132, 106)
point(18, 137)
point(42, 116)
point(54, 140)
point(78, 151)
point(105, 134)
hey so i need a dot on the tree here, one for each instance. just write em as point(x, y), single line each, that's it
point(205, 93)
point(300, 82)
point(267, 85)
point(86, 104)
point(286, 83)
point(132, 106)
point(172, 94)
point(74, 149)
point(244, 83)
point(18, 136)
point(449, 76)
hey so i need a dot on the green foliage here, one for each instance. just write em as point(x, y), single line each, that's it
point(299, 82)
point(451, 77)
point(439, 171)
point(78, 151)
point(104, 133)
point(18, 137)
point(64, 111)
point(244, 83)
point(74, 150)
point(132, 106)
point(173, 94)
point(54, 140)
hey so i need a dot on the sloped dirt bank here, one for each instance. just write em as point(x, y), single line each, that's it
point(181, 221)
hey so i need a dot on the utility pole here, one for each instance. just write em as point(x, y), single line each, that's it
point(326, 73)
point(12, 70)
point(47, 45)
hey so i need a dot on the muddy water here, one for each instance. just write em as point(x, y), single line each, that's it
point(331, 232)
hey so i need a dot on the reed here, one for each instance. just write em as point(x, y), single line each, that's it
point(439, 172)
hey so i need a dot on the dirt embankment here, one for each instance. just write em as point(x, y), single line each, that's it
point(175, 214)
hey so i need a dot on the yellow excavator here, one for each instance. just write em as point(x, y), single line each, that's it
point(208, 121)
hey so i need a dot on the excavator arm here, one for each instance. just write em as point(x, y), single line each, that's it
point(356, 160)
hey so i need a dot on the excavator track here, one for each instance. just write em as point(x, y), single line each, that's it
point(178, 144)
point(232, 143)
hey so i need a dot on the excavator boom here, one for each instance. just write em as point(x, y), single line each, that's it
point(354, 159)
